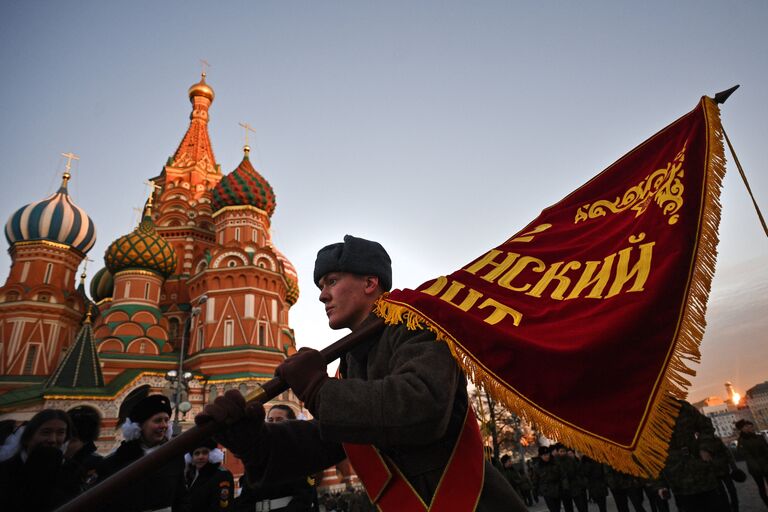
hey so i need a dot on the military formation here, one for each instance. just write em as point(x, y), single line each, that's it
point(698, 476)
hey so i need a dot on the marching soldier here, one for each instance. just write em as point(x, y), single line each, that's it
point(400, 412)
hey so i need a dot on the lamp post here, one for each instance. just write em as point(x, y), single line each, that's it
point(179, 378)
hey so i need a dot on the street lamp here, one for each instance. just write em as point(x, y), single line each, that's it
point(179, 378)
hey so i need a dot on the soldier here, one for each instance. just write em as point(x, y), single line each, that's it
point(210, 486)
point(754, 449)
point(548, 479)
point(725, 464)
point(399, 412)
point(689, 471)
point(596, 485)
point(296, 495)
point(625, 488)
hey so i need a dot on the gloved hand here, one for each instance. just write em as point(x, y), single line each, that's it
point(244, 423)
point(306, 373)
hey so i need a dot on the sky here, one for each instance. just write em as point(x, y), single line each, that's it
point(438, 128)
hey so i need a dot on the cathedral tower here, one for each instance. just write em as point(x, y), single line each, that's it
point(41, 311)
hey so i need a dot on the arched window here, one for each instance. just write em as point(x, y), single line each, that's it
point(48, 271)
point(213, 392)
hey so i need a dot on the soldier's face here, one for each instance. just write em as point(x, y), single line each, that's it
point(277, 415)
point(51, 433)
point(348, 298)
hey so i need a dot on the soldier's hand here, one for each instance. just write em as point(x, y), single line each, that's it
point(705, 455)
point(244, 422)
point(306, 373)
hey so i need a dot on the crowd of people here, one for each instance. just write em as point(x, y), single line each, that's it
point(698, 476)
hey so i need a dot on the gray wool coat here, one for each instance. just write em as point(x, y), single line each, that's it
point(403, 393)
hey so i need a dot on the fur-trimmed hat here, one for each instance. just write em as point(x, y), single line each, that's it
point(742, 423)
point(356, 256)
point(148, 407)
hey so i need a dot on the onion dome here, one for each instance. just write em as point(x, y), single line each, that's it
point(201, 89)
point(143, 248)
point(291, 277)
point(244, 186)
point(55, 219)
point(102, 285)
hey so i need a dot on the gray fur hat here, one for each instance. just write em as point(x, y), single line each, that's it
point(356, 256)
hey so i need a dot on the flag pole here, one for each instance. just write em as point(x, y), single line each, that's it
point(720, 98)
point(95, 497)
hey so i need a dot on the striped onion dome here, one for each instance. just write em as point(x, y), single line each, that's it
point(291, 277)
point(143, 248)
point(55, 219)
point(244, 186)
point(102, 285)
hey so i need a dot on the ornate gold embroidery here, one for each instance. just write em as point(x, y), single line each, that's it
point(663, 186)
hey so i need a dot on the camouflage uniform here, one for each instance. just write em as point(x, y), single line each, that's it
point(548, 480)
point(754, 449)
point(625, 488)
point(596, 484)
point(693, 480)
point(724, 463)
point(575, 490)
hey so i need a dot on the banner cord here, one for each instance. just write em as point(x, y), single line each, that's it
point(746, 183)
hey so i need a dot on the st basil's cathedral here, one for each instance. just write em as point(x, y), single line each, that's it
point(197, 294)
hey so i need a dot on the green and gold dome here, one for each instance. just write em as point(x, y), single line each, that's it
point(141, 249)
point(244, 186)
point(102, 285)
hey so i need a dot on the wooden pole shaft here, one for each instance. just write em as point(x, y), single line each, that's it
point(93, 499)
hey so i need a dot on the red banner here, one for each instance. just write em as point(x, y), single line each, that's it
point(582, 321)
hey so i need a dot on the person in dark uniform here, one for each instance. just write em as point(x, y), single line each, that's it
point(595, 474)
point(81, 455)
point(689, 471)
point(34, 479)
point(145, 429)
point(400, 408)
point(210, 486)
point(625, 488)
point(297, 495)
point(548, 479)
point(754, 448)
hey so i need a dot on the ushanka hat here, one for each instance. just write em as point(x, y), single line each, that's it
point(356, 256)
point(215, 455)
point(148, 407)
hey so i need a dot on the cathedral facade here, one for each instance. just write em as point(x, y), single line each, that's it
point(192, 302)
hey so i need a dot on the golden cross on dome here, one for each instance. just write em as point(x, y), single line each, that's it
point(248, 128)
point(69, 156)
point(205, 66)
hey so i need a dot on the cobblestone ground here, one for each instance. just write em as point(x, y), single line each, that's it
point(749, 499)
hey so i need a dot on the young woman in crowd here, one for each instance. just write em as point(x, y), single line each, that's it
point(146, 428)
point(35, 479)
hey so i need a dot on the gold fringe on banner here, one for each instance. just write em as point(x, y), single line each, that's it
point(646, 457)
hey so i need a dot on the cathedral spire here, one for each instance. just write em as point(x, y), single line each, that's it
point(80, 367)
point(195, 149)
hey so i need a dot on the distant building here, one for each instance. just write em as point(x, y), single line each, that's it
point(757, 401)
